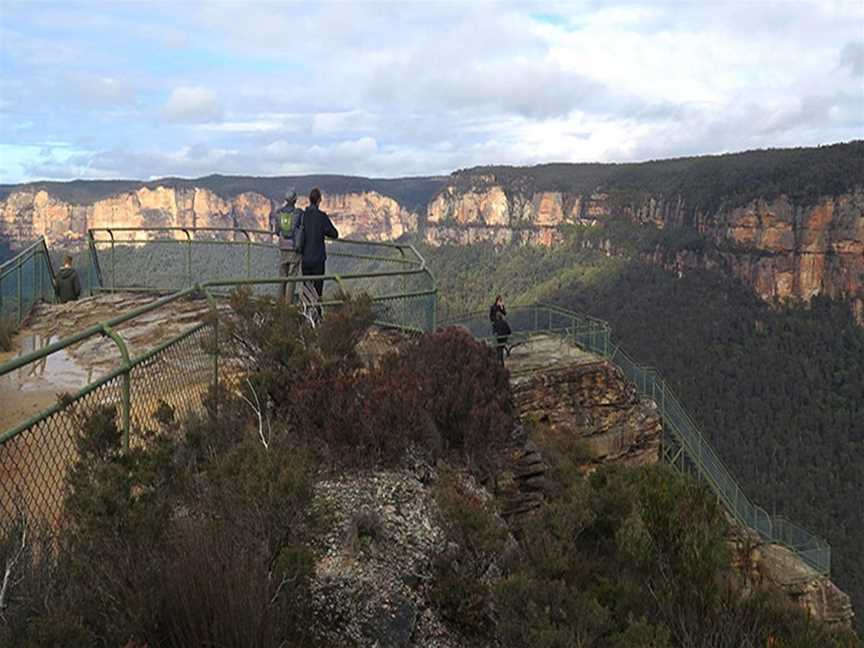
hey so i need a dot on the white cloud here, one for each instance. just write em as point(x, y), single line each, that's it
point(394, 89)
point(852, 57)
point(192, 104)
point(100, 91)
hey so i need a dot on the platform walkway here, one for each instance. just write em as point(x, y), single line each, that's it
point(177, 371)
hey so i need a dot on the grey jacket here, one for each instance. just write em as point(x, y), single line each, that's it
point(285, 242)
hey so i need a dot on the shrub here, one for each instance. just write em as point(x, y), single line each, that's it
point(465, 391)
point(461, 587)
point(198, 537)
point(366, 527)
point(8, 329)
point(443, 392)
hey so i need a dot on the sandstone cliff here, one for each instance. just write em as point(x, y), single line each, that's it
point(789, 223)
point(28, 213)
point(783, 250)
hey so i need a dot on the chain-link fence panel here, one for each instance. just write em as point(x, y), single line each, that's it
point(25, 279)
point(34, 463)
point(177, 374)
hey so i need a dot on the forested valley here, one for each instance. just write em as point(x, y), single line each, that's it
point(778, 389)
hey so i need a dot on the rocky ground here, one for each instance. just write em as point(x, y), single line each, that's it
point(378, 554)
point(370, 585)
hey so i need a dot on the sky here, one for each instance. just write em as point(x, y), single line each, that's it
point(145, 90)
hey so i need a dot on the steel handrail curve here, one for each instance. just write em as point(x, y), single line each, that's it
point(401, 247)
point(107, 328)
point(39, 246)
point(97, 329)
point(26, 253)
point(16, 264)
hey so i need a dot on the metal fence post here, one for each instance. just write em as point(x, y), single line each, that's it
point(20, 306)
point(37, 277)
point(188, 257)
point(215, 314)
point(113, 266)
point(249, 254)
point(126, 390)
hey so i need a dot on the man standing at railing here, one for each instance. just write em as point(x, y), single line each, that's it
point(66, 284)
point(285, 222)
point(317, 225)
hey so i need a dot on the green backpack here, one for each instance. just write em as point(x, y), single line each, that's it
point(286, 222)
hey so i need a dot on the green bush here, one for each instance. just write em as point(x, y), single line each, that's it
point(461, 588)
point(443, 392)
point(197, 537)
point(637, 557)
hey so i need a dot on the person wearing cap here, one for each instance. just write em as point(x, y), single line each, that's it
point(284, 222)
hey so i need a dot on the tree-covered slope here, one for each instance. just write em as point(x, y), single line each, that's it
point(779, 392)
point(705, 182)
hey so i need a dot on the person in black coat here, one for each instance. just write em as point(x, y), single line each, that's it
point(500, 327)
point(66, 284)
point(317, 226)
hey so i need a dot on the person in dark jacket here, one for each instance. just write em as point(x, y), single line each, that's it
point(66, 284)
point(317, 226)
point(500, 327)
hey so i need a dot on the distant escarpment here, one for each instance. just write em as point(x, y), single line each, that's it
point(789, 223)
point(28, 213)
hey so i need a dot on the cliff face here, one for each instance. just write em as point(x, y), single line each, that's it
point(27, 214)
point(781, 249)
point(487, 213)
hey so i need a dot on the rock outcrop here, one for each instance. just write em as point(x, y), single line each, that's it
point(579, 395)
point(774, 567)
point(582, 396)
point(596, 404)
point(27, 214)
point(781, 249)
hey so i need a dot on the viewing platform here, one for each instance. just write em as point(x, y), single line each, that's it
point(147, 337)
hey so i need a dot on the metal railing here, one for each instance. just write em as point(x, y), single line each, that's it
point(173, 258)
point(684, 446)
point(26, 279)
point(35, 454)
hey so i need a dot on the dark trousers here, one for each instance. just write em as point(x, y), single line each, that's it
point(500, 348)
point(315, 269)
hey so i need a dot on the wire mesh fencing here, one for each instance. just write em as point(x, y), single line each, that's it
point(171, 258)
point(691, 451)
point(175, 378)
point(25, 279)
